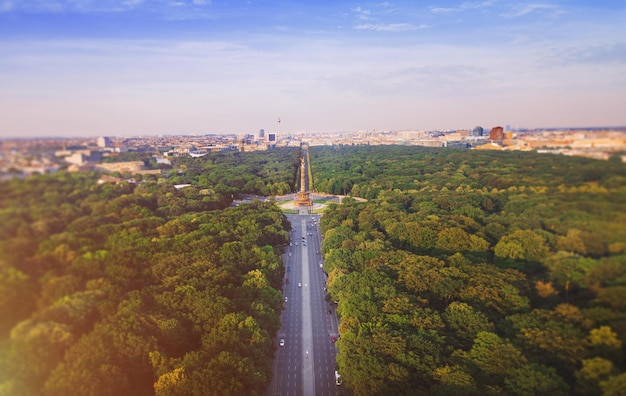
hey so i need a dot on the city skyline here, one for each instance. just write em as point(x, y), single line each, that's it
point(133, 67)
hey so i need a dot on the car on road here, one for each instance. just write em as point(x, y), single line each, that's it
point(285, 298)
point(332, 338)
point(299, 284)
point(281, 342)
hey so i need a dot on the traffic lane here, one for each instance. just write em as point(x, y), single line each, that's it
point(325, 352)
point(287, 378)
point(286, 375)
point(327, 329)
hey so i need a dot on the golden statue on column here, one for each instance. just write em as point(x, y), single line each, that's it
point(302, 198)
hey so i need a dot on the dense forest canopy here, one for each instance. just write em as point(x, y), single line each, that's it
point(272, 172)
point(466, 272)
point(267, 173)
point(119, 289)
point(476, 273)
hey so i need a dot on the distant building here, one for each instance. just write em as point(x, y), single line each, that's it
point(83, 157)
point(496, 133)
point(408, 135)
point(458, 144)
point(103, 141)
point(184, 149)
point(450, 137)
point(165, 161)
point(477, 131)
point(128, 166)
point(262, 134)
point(271, 137)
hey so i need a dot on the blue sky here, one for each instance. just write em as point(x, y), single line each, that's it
point(131, 67)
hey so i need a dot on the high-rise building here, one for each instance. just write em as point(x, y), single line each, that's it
point(261, 133)
point(271, 137)
point(496, 133)
point(477, 131)
point(103, 141)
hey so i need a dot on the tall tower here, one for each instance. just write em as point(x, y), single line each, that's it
point(279, 126)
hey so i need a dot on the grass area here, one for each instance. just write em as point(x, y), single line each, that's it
point(321, 208)
point(323, 201)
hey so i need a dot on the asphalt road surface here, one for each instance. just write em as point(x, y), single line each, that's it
point(306, 364)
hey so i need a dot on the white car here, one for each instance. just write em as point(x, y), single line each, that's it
point(299, 284)
point(281, 342)
point(285, 299)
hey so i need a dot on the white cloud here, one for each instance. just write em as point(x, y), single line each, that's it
point(92, 6)
point(132, 3)
point(596, 54)
point(389, 27)
point(59, 6)
point(6, 6)
point(525, 9)
point(362, 13)
point(462, 7)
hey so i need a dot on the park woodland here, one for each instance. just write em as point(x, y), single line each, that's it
point(453, 272)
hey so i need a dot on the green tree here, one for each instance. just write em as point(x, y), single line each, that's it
point(591, 374)
point(535, 379)
point(454, 381)
point(614, 386)
point(521, 245)
point(494, 358)
point(464, 323)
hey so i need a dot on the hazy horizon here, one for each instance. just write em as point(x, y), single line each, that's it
point(134, 67)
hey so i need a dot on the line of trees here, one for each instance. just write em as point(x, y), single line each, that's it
point(474, 273)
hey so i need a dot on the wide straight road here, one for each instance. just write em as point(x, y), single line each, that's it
point(305, 365)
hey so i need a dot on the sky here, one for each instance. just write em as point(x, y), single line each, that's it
point(151, 67)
